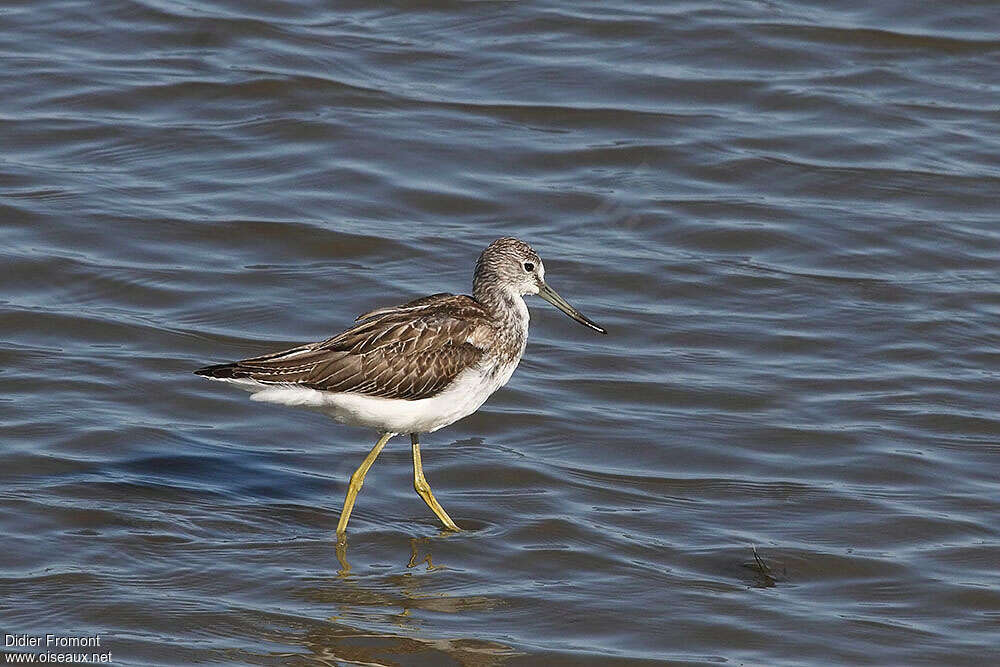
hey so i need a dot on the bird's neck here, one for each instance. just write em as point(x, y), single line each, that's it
point(506, 306)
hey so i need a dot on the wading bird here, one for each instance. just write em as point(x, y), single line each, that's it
point(412, 368)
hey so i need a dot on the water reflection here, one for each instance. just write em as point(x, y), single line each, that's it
point(415, 558)
point(336, 644)
point(399, 596)
point(396, 594)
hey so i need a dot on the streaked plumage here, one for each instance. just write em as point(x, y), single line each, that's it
point(416, 367)
point(412, 351)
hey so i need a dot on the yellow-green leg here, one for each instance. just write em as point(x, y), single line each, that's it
point(357, 479)
point(424, 489)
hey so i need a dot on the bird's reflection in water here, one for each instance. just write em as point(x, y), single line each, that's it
point(404, 590)
point(415, 551)
point(338, 644)
point(364, 601)
point(416, 560)
point(345, 566)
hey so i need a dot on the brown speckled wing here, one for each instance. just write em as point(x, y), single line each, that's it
point(411, 351)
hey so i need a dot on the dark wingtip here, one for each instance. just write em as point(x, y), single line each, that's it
point(217, 371)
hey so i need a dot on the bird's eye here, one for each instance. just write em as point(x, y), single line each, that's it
point(529, 267)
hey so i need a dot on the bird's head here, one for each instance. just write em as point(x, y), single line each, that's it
point(510, 265)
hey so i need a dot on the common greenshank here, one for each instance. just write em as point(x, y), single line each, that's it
point(412, 368)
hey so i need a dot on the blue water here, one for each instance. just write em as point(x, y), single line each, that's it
point(784, 213)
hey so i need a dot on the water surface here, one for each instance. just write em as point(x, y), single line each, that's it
point(783, 212)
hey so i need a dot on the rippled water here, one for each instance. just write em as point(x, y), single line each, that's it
point(785, 213)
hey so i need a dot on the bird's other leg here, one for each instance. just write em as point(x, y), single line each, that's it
point(424, 489)
point(357, 479)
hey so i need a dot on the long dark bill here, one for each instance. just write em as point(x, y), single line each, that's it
point(553, 297)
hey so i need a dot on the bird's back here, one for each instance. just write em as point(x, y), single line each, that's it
point(411, 351)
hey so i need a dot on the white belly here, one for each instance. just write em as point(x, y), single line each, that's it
point(393, 415)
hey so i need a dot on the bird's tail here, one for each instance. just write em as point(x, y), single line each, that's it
point(231, 371)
